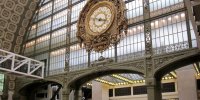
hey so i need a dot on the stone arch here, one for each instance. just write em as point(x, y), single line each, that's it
point(56, 78)
point(80, 79)
point(175, 63)
point(34, 85)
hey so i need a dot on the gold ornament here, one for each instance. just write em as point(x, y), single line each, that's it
point(101, 24)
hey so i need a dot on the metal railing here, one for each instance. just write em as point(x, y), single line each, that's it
point(17, 64)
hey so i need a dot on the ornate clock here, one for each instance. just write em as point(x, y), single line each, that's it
point(101, 24)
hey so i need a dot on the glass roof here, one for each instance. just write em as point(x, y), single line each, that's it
point(125, 79)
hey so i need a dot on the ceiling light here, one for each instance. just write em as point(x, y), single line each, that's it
point(169, 18)
point(156, 22)
point(134, 29)
point(176, 16)
point(183, 15)
point(163, 21)
point(152, 24)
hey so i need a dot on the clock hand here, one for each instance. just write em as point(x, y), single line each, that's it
point(99, 19)
point(102, 19)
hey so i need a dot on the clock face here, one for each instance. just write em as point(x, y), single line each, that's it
point(101, 23)
point(99, 18)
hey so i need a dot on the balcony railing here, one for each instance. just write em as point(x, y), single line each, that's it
point(20, 65)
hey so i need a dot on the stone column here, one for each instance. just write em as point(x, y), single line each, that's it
point(65, 94)
point(186, 83)
point(153, 89)
point(11, 86)
point(60, 94)
point(78, 94)
point(49, 92)
point(71, 95)
point(10, 95)
point(99, 91)
point(1, 93)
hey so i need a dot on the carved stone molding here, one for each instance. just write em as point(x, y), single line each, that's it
point(12, 77)
point(12, 31)
point(159, 61)
point(28, 14)
point(61, 78)
point(10, 15)
point(148, 39)
point(32, 6)
point(137, 66)
point(162, 59)
point(9, 36)
point(1, 43)
point(12, 27)
point(23, 2)
point(5, 13)
point(25, 22)
point(2, 33)
point(150, 82)
point(2, 2)
point(101, 61)
point(19, 9)
point(11, 85)
point(3, 23)
point(140, 65)
point(22, 31)
point(7, 45)
point(19, 40)
point(9, 4)
point(15, 18)
point(17, 49)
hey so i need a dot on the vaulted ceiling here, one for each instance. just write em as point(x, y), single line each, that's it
point(15, 16)
point(124, 79)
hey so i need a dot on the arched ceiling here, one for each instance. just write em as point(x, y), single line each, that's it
point(15, 16)
point(125, 79)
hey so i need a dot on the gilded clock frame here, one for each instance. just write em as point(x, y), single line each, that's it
point(89, 14)
point(113, 33)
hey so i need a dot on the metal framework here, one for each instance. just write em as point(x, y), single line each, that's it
point(150, 64)
point(17, 64)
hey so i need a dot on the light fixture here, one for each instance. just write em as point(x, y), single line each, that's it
point(169, 18)
point(139, 27)
point(163, 21)
point(122, 78)
point(156, 22)
point(89, 84)
point(134, 29)
point(176, 16)
point(183, 15)
point(152, 24)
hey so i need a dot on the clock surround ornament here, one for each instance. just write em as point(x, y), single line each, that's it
point(101, 24)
